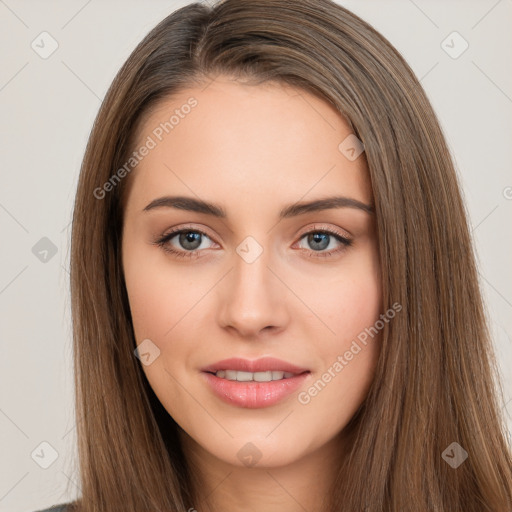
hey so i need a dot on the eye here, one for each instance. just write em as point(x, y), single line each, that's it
point(190, 241)
point(320, 239)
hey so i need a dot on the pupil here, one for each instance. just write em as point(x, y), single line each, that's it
point(317, 238)
point(189, 238)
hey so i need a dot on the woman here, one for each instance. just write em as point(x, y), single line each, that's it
point(275, 298)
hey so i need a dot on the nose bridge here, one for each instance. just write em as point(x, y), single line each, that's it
point(253, 297)
point(251, 271)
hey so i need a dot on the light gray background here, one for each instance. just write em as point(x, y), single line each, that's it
point(47, 110)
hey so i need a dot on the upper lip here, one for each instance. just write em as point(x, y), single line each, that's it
point(259, 365)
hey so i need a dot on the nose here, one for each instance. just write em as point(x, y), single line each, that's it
point(252, 300)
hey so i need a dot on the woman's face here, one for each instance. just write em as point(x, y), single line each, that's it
point(255, 272)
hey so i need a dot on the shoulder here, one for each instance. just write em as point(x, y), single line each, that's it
point(55, 508)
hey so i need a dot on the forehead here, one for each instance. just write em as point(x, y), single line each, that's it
point(268, 140)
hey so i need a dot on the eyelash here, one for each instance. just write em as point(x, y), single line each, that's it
point(163, 243)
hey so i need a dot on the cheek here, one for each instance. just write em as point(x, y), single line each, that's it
point(355, 306)
point(148, 302)
point(356, 345)
point(159, 295)
point(160, 298)
point(348, 302)
point(352, 309)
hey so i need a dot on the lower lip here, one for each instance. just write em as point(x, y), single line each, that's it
point(254, 395)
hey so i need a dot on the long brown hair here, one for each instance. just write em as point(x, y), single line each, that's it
point(436, 379)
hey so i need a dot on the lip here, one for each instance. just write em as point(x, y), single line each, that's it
point(259, 365)
point(254, 395)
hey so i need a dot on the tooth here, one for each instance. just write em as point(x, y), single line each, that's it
point(263, 376)
point(243, 376)
point(231, 374)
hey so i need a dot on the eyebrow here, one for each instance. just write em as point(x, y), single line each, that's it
point(197, 205)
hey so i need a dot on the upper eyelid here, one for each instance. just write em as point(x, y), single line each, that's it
point(317, 227)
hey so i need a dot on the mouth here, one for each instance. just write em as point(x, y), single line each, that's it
point(254, 384)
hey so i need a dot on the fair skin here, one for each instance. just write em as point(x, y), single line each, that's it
point(253, 149)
